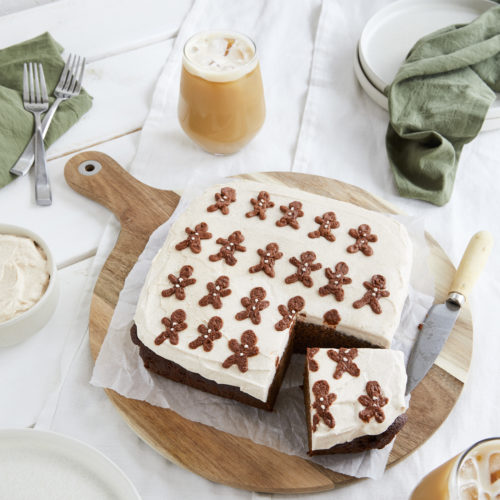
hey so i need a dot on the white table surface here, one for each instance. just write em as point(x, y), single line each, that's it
point(127, 43)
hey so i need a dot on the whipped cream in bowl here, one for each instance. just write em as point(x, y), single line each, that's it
point(28, 284)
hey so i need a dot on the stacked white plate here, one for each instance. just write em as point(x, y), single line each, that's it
point(391, 33)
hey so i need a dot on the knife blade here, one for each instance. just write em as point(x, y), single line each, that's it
point(441, 318)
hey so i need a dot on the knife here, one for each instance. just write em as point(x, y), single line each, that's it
point(441, 317)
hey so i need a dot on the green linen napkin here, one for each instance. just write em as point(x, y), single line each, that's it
point(16, 124)
point(438, 102)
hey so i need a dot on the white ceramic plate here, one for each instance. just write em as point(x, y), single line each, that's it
point(379, 98)
point(50, 466)
point(392, 31)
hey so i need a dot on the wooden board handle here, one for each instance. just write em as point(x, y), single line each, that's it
point(100, 178)
point(473, 261)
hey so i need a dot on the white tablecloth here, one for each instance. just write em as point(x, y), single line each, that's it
point(324, 124)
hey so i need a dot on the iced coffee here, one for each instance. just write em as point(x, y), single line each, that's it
point(472, 475)
point(221, 102)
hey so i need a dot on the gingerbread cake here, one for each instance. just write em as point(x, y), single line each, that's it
point(354, 398)
point(250, 272)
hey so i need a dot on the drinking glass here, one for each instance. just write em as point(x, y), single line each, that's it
point(221, 101)
point(471, 475)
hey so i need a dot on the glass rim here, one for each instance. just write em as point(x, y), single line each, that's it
point(224, 32)
point(453, 478)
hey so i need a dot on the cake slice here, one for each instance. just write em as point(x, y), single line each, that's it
point(250, 272)
point(354, 398)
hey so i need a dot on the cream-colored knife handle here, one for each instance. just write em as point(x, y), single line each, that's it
point(476, 254)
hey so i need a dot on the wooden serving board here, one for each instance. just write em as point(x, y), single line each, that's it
point(211, 453)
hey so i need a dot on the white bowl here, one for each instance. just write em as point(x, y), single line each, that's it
point(28, 323)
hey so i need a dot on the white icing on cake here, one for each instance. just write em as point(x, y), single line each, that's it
point(391, 258)
point(384, 366)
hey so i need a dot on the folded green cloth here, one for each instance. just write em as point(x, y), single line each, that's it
point(16, 124)
point(438, 102)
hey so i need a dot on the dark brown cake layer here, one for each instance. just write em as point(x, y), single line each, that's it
point(311, 335)
point(367, 442)
point(361, 443)
point(173, 371)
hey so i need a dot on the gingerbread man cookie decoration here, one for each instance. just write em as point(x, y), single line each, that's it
point(323, 399)
point(327, 222)
point(223, 199)
point(217, 290)
point(268, 258)
point(194, 237)
point(375, 291)
point(345, 361)
point(374, 401)
point(312, 364)
point(243, 350)
point(292, 213)
point(332, 317)
point(260, 205)
point(294, 306)
point(208, 334)
point(173, 325)
point(336, 280)
point(179, 283)
point(305, 266)
point(253, 305)
point(229, 246)
point(363, 236)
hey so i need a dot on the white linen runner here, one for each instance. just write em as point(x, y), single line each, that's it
point(284, 34)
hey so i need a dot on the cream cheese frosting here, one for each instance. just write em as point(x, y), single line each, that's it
point(392, 255)
point(24, 275)
point(383, 366)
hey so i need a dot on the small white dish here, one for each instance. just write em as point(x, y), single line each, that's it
point(46, 465)
point(379, 98)
point(392, 31)
point(28, 323)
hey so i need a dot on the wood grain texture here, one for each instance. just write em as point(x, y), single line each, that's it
point(472, 264)
point(213, 454)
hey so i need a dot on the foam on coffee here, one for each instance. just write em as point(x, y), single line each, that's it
point(219, 56)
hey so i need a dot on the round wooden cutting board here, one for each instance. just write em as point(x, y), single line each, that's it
point(204, 450)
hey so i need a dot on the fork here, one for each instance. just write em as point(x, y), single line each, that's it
point(36, 101)
point(69, 85)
